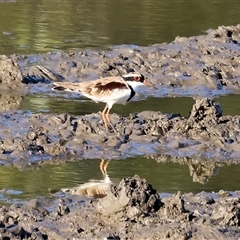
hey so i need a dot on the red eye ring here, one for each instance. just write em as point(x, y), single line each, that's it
point(137, 78)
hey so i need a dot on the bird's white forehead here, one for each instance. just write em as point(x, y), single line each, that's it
point(132, 75)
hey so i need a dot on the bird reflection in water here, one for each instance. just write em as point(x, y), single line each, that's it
point(93, 188)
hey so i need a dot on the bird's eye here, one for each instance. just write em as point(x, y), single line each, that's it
point(137, 78)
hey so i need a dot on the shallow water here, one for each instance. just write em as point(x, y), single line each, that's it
point(82, 106)
point(38, 26)
point(170, 177)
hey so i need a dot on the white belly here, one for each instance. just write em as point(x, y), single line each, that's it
point(111, 97)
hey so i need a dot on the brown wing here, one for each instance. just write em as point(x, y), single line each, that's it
point(102, 86)
point(109, 86)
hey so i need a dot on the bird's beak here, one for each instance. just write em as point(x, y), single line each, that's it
point(148, 84)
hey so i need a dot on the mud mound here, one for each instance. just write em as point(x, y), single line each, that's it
point(132, 197)
point(228, 34)
point(10, 74)
point(40, 74)
point(228, 213)
point(205, 114)
point(205, 108)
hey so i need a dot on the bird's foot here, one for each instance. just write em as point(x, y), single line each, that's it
point(109, 127)
point(112, 129)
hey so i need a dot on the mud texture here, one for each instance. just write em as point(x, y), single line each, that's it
point(201, 67)
point(131, 210)
point(206, 133)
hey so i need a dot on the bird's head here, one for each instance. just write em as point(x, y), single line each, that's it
point(135, 79)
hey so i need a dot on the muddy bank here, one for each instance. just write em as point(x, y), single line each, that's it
point(201, 65)
point(131, 210)
point(27, 137)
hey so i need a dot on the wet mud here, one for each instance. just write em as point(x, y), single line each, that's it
point(201, 67)
point(131, 210)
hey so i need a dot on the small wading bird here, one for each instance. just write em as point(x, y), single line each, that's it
point(110, 90)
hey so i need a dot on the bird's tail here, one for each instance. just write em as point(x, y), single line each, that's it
point(66, 86)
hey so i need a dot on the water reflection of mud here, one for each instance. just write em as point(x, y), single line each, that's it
point(200, 170)
point(9, 102)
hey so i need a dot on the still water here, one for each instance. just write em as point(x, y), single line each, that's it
point(18, 186)
point(82, 106)
point(29, 26)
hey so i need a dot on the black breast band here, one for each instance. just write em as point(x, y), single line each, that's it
point(132, 93)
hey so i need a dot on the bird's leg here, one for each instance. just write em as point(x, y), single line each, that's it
point(108, 119)
point(104, 117)
point(105, 167)
point(102, 167)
